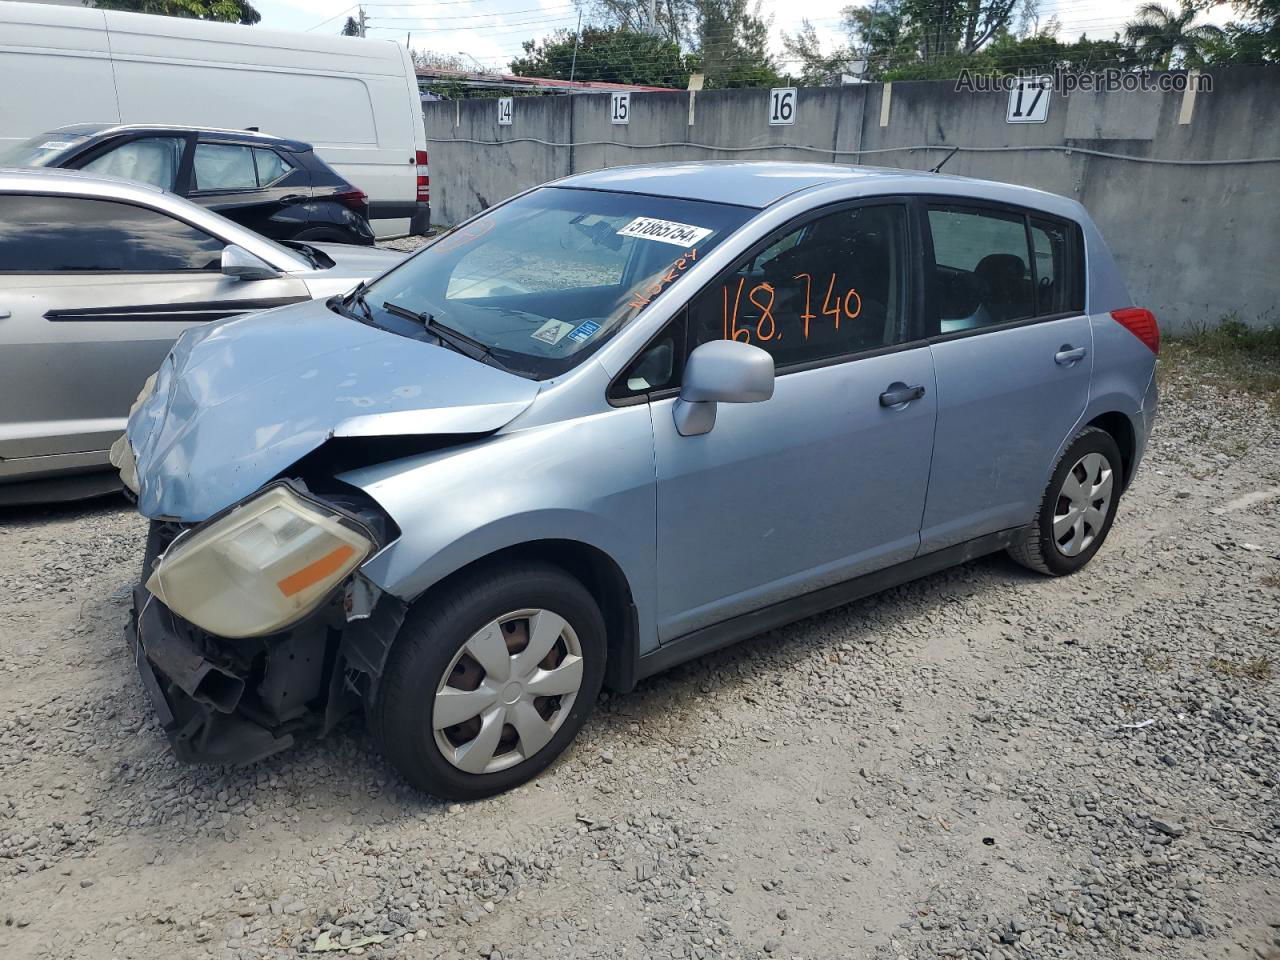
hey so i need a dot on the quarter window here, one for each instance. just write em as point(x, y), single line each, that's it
point(44, 234)
point(1056, 247)
point(223, 166)
point(152, 160)
point(833, 287)
point(271, 166)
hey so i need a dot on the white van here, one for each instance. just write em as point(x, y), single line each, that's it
point(355, 100)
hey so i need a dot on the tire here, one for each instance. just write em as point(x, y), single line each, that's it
point(431, 670)
point(1082, 537)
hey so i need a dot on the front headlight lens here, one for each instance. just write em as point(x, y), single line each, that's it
point(261, 567)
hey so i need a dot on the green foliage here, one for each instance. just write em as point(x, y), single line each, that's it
point(733, 45)
point(228, 11)
point(351, 28)
point(608, 55)
point(1163, 37)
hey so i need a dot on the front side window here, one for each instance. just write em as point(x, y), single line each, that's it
point(544, 280)
point(835, 286)
point(153, 160)
point(223, 166)
point(41, 234)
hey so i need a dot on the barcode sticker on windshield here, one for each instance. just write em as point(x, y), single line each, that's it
point(666, 231)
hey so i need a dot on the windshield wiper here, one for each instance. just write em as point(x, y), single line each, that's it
point(356, 297)
point(456, 339)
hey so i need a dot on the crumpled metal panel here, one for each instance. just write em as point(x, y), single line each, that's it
point(238, 401)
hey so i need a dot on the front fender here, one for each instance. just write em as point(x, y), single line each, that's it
point(589, 480)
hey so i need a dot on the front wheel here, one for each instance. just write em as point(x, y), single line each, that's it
point(1077, 509)
point(490, 680)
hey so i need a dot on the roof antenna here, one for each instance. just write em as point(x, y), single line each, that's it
point(954, 151)
point(256, 130)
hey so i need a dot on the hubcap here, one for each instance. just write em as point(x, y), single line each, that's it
point(1082, 504)
point(507, 691)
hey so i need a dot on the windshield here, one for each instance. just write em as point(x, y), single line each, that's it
point(541, 282)
point(39, 151)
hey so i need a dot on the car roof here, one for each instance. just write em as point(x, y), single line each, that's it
point(758, 184)
point(212, 133)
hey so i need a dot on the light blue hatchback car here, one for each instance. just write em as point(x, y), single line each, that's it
point(613, 423)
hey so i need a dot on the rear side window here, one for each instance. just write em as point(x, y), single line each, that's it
point(995, 266)
point(223, 166)
point(50, 234)
point(832, 287)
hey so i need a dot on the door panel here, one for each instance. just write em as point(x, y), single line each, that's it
point(814, 486)
point(1005, 405)
point(1011, 387)
point(69, 371)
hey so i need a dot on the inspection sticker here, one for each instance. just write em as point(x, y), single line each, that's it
point(55, 145)
point(666, 231)
point(584, 331)
point(553, 331)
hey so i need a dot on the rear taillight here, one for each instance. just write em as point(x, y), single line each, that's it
point(353, 199)
point(1141, 323)
point(424, 177)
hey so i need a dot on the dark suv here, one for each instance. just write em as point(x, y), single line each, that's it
point(278, 188)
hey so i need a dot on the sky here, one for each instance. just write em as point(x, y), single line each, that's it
point(489, 32)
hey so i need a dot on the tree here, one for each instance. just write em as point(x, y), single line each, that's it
point(351, 28)
point(606, 55)
point(1256, 39)
point(1161, 36)
point(733, 44)
point(948, 27)
point(228, 11)
point(673, 19)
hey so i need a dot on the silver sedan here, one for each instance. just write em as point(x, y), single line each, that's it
point(98, 277)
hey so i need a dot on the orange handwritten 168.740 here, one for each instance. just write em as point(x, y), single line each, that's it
point(845, 303)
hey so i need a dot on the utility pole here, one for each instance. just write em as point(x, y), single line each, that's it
point(361, 21)
point(577, 38)
point(653, 16)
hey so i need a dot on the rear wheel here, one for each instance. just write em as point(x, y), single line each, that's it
point(1077, 509)
point(490, 680)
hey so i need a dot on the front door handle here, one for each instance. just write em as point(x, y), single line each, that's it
point(899, 393)
point(1067, 354)
point(5, 313)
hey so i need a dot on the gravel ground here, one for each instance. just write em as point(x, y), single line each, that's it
point(982, 764)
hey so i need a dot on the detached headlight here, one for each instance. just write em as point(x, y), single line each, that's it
point(261, 567)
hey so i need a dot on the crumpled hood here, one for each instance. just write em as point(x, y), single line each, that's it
point(239, 400)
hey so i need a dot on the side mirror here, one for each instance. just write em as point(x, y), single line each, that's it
point(721, 371)
point(240, 263)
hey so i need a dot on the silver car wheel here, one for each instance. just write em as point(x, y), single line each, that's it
point(507, 691)
point(1083, 504)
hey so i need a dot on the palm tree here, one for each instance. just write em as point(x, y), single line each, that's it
point(1161, 35)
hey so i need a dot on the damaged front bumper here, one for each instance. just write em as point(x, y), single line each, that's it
point(226, 701)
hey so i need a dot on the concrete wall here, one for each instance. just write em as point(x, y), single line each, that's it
point(1196, 241)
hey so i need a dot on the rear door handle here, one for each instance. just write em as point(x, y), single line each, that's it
point(1067, 354)
point(899, 393)
point(292, 198)
point(5, 313)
